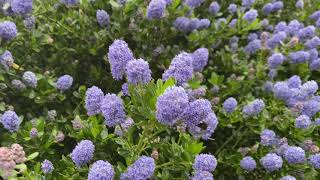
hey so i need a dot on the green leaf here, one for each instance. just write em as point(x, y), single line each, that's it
point(32, 156)
point(194, 148)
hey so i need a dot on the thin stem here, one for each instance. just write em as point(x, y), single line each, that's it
point(228, 140)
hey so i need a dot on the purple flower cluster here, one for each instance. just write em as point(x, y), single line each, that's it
point(138, 71)
point(30, 79)
point(113, 110)
point(186, 25)
point(29, 22)
point(21, 7)
point(294, 155)
point(10, 121)
point(200, 59)
point(205, 162)
point(230, 105)
point(47, 166)
point(181, 68)
point(8, 30)
point(143, 168)
point(64, 82)
point(101, 170)
point(275, 60)
point(314, 160)
point(248, 163)
point(103, 18)
point(193, 3)
point(94, 96)
point(18, 85)
point(299, 56)
point(83, 153)
point(6, 60)
point(250, 15)
point(253, 47)
point(303, 122)
point(156, 9)
point(232, 8)
point(271, 162)
point(268, 138)
point(288, 178)
point(214, 8)
point(119, 55)
point(253, 108)
point(70, 2)
point(202, 175)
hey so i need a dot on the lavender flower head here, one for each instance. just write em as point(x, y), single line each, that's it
point(275, 60)
point(230, 105)
point(277, 6)
point(202, 175)
point(70, 2)
point(299, 56)
point(8, 30)
point(101, 170)
point(250, 15)
point(267, 8)
point(83, 153)
point(143, 168)
point(310, 87)
point(205, 162)
point(47, 166)
point(247, 3)
point(156, 9)
point(18, 85)
point(103, 18)
point(193, 3)
point(310, 107)
point(6, 60)
point(30, 79)
point(312, 43)
point(21, 7)
point(125, 89)
point(232, 8)
point(171, 105)
point(271, 162)
point(205, 128)
point(119, 55)
point(200, 59)
point(10, 121)
point(196, 111)
point(64, 82)
point(303, 122)
point(29, 22)
point(294, 82)
point(314, 160)
point(94, 96)
point(113, 110)
point(288, 178)
point(204, 24)
point(295, 155)
point(248, 163)
point(315, 15)
point(180, 68)
point(307, 32)
point(182, 24)
point(33, 133)
point(138, 71)
point(282, 91)
point(253, 47)
point(268, 138)
point(253, 108)
point(214, 8)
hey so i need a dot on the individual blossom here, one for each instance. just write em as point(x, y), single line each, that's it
point(60, 137)
point(7, 163)
point(294, 82)
point(282, 91)
point(21, 7)
point(47, 166)
point(277, 39)
point(138, 71)
point(181, 68)
point(156, 9)
point(18, 85)
point(19, 156)
point(193, 3)
point(171, 105)
point(182, 24)
point(303, 122)
point(200, 59)
point(83, 153)
point(253, 108)
point(94, 96)
point(52, 114)
point(230, 105)
point(250, 15)
point(113, 110)
point(29, 22)
point(119, 55)
point(8, 30)
point(103, 18)
point(299, 56)
point(232, 8)
point(275, 60)
point(307, 32)
point(253, 47)
point(248, 163)
point(312, 43)
point(10, 121)
point(101, 170)
point(315, 15)
point(204, 24)
point(310, 87)
point(64, 82)
point(6, 60)
point(205, 162)
point(33, 133)
point(295, 155)
point(288, 178)
point(205, 128)
point(314, 160)
point(271, 162)
point(310, 108)
point(143, 168)
point(268, 138)
point(267, 8)
point(277, 6)
point(202, 175)
point(214, 8)
point(30, 79)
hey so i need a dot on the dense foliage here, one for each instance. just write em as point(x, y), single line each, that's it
point(160, 89)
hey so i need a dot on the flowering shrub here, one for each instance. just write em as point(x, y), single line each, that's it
point(159, 89)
